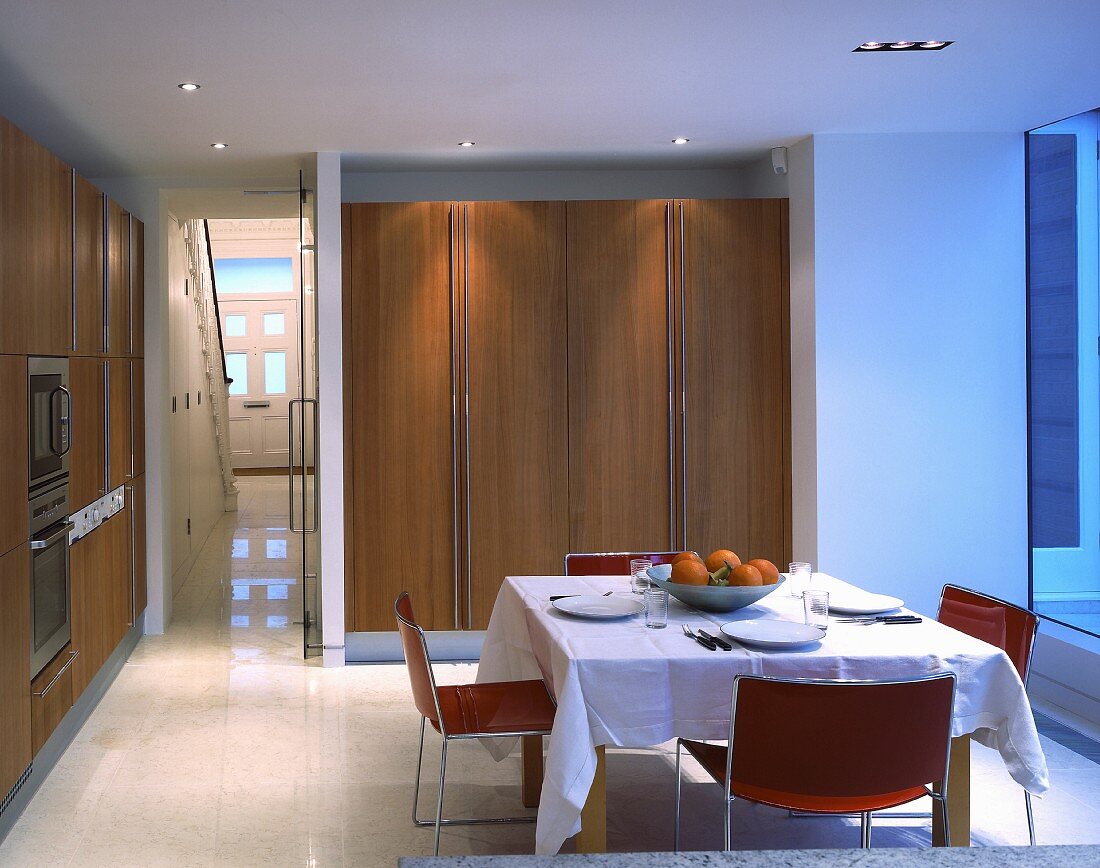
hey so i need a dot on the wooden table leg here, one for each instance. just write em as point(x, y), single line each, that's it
point(958, 797)
point(592, 837)
point(532, 770)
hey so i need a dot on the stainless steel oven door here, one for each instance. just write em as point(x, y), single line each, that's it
point(50, 614)
point(50, 414)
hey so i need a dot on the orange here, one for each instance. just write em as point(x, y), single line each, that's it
point(715, 559)
point(686, 556)
point(746, 575)
point(689, 572)
point(768, 570)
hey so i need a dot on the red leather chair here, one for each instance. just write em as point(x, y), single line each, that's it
point(831, 747)
point(466, 711)
point(1008, 627)
point(610, 563)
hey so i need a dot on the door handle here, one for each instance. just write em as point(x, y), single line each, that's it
point(301, 402)
point(66, 421)
point(38, 544)
point(68, 663)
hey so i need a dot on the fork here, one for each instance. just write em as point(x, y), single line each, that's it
point(706, 643)
point(566, 596)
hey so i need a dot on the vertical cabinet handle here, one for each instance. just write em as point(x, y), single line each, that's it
point(466, 389)
point(683, 383)
point(106, 428)
point(454, 410)
point(72, 210)
point(671, 380)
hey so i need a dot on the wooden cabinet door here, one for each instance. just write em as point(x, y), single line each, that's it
point(87, 458)
point(136, 508)
point(137, 399)
point(101, 595)
point(88, 267)
point(120, 454)
point(15, 673)
point(400, 448)
point(515, 368)
point(13, 468)
point(620, 357)
point(137, 287)
point(736, 338)
point(118, 280)
point(36, 247)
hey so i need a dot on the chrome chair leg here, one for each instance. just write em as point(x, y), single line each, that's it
point(726, 822)
point(419, 766)
point(439, 804)
point(941, 801)
point(676, 835)
point(865, 830)
point(1030, 818)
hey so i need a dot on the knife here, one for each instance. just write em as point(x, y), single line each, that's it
point(705, 642)
point(883, 619)
point(721, 643)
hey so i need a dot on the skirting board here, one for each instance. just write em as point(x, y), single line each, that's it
point(443, 646)
point(70, 725)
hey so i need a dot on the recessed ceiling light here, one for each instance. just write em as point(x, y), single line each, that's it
point(221, 146)
point(903, 45)
point(680, 140)
point(466, 144)
point(188, 85)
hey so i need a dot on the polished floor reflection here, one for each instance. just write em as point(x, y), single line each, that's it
point(219, 745)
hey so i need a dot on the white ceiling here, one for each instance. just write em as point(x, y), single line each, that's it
point(396, 84)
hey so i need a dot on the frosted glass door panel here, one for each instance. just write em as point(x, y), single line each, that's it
point(275, 373)
point(236, 325)
point(274, 324)
point(236, 368)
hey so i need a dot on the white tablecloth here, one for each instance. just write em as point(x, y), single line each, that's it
point(620, 683)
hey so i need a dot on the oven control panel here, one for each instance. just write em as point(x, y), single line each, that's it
point(97, 512)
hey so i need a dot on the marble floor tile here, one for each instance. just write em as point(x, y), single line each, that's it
point(219, 745)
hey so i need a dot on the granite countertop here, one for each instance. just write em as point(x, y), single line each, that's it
point(955, 857)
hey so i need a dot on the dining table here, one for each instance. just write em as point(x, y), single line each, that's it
point(619, 683)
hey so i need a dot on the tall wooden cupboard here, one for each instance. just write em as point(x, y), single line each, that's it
point(525, 379)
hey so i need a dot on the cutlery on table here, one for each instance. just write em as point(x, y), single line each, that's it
point(721, 643)
point(706, 643)
point(883, 619)
point(566, 596)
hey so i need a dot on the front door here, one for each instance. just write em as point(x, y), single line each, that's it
point(261, 338)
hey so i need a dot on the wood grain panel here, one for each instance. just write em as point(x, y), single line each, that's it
point(13, 469)
point(118, 280)
point(89, 268)
point(737, 377)
point(51, 699)
point(15, 673)
point(87, 464)
point(402, 479)
point(101, 596)
point(137, 399)
point(137, 286)
point(348, 334)
point(137, 512)
point(35, 247)
point(516, 360)
point(619, 378)
point(120, 458)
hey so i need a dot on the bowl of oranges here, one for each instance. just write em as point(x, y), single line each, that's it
point(720, 582)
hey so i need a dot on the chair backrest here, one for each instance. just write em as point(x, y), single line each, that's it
point(610, 563)
point(1011, 628)
point(416, 658)
point(836, 739)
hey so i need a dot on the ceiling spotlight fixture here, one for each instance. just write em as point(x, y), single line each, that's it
point(466, 144)
point(680, 140)
point(188, 85)
point(903, 45)
point(220, 146)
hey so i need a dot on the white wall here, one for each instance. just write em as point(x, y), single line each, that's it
point(554, 185)
point(918, 324)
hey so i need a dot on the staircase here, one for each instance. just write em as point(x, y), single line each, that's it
point(199, 263)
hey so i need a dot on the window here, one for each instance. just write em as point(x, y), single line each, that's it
point(274, 324)
point(254, 275)
point(1064, 371)
point(235, 325)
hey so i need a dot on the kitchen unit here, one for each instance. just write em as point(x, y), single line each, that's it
point(524, 379)
point(72, 544)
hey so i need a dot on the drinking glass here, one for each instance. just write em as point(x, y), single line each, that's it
point(639, 581)
point(815, 604)
point(799, 578)
point(656, 607)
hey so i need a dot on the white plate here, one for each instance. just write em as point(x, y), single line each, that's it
point(862, 603)
point(602, 608)
point(772, 633)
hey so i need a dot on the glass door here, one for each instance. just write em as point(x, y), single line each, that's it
point(305, 511)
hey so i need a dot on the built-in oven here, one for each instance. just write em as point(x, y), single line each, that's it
point(49, 405)
point(50, 610)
